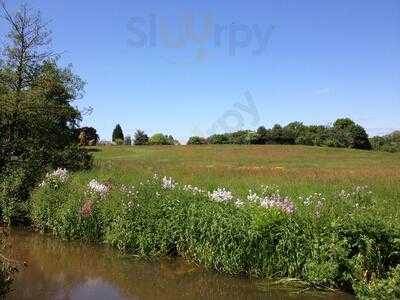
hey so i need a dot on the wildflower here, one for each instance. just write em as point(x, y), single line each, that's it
point(253, 197)
point(283, 204)
point(239, 203)
point(87, 209)
point(192, 189)
point(54, 178)
point(98, 188)
point(221, 195)
point(319, 206)
point(168, 183)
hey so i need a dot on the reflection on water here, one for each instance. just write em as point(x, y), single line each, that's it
point(64, 270)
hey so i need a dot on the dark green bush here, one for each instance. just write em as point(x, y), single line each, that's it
point(196, 140)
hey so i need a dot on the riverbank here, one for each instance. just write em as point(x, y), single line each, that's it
point(56, 269)
point(334, 241)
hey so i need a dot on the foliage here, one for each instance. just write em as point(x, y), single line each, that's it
point(37, 119)
point(87, 136)
point(387, 288)
point(344, 134)
point(387, 143)
point(119, 142)
point(330, 240)
point(117, 133)
point(128, 140)
point(140, 138)
point(196, 140)
point(161, 139)
point(218, 139)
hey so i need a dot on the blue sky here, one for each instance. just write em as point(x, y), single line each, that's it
point(319, 60)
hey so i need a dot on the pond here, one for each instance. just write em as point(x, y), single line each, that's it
point(69, 270)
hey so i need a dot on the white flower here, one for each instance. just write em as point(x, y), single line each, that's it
point(239, 203)
point(98, 188)
point(192, 189)
point(168, 183)
point(59, 175)
point(221, 195)
point(253, 197)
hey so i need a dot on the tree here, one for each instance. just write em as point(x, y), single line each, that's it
point(91, 136)
point(218, 139)
point(196, 140)
point(128, 140)
point(350, 135)
point(37, 120)
point(160, 139)
point(117, 133)
point(140, 138)
point(82, 139)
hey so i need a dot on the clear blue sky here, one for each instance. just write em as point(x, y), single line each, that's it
point(323, 60)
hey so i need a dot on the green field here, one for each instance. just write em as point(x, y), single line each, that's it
point(298, 170)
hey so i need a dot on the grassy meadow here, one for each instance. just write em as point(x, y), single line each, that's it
point(327, 217)
point(297, 170)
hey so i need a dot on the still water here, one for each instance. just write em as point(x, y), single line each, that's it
point(67, 270)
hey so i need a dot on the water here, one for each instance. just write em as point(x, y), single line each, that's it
point(68, 270)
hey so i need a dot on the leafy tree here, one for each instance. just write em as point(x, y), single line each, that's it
point(37, 120)
point(117, 133)
point(351, 135)
point(128, 140)
point(218, 139)
point(160, 139)
point(140, 138)
point(90, 134)
point(82, 139)
point(196, 140)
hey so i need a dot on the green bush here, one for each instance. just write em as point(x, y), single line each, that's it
point(196, 140)
point(161, 139)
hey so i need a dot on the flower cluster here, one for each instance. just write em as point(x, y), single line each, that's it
point(221, 195)
point(130, 191)
point(98, 188)
point(360, 197)
point(282, 203)
point(192, 189)
point(168, 183)
point(271, 199)
point(55, 178)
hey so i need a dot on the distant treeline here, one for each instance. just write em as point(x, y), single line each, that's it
point(344, 133)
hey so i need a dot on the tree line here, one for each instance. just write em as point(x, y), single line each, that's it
point(344, 133)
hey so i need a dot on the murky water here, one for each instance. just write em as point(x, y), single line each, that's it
point(64, 270)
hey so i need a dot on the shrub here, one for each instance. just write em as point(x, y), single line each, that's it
point(218, 139)
point(196, 140)
point(140, 138)
point(128, 140)
point(119, 142)
point(160, 139)
point(87, 136)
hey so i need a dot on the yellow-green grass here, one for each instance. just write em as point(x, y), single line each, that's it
point(298, 170)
